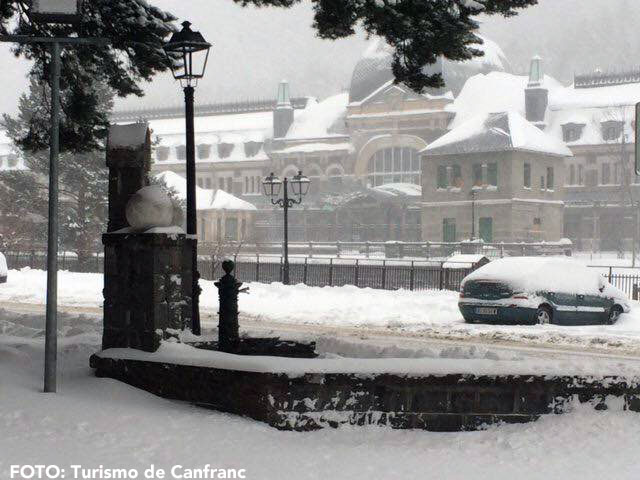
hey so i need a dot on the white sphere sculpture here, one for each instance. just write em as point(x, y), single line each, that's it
point(149, 207)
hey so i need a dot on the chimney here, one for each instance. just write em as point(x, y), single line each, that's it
point(536, 96)
point(283, 114)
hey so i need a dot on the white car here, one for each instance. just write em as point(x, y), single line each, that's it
point(527, 290)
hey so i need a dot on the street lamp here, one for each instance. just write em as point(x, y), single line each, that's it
point(46, 12)
point(300, 186)
point(189, 52)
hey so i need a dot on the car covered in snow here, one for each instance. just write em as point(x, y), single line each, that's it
point(529, 290)
point(3, 269)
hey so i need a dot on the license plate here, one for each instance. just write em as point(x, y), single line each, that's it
point(486, 311)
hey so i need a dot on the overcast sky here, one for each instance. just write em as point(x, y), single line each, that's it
point(253, 49)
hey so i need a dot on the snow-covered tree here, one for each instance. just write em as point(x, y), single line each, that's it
point(420, 31)
point(83, 173)
point(135, 31)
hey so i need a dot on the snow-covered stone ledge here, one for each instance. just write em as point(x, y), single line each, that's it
point(307, 394)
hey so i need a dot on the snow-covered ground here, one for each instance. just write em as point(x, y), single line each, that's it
point(432, 314)
point(96, 421)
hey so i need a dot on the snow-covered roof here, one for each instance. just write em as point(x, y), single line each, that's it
point(320, 120)
point(534, 274)
point(494, 92)
point(205, 199)
point(399, 189)
point(317, 147)
point(495, 132)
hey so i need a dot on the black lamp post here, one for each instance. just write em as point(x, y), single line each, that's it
point(189, 52)
point(473, 213)
point(300, 186)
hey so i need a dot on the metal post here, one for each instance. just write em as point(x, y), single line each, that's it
point(285, 246)
point(51, 322)
point(473, 215)
point(192, 220)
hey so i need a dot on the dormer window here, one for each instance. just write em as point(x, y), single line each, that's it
point(225, 149)
point(572, 131)
point(204, 150)
point(162, 153)
point(611, 130)
point(251, 149)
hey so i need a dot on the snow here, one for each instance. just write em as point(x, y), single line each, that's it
point(205, 199)
point(534, 274)
point(149, 207)
point(127, 136)
point(320, 120)
point(497, 132)
point(98, 421)
point(317, 147)
point(433, 314)
point(493, 92)
point(462, 260)
point(399, 189)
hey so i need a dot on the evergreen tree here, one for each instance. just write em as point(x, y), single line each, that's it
point(420, 31)
point(83, 174)
point(135, 31)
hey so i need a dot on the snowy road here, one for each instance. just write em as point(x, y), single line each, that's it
point(345, 310)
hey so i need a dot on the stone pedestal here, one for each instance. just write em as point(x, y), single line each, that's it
point(148, 285)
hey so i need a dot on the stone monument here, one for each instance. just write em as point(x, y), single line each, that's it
point(148, 262)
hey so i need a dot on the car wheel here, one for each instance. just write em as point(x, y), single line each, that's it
point(614, 314)
point(544, 315)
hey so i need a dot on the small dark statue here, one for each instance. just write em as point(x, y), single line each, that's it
point(228, 289)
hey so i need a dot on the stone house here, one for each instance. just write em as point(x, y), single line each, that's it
point(496, 177)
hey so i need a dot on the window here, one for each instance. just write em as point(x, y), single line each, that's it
point(397, 165)
point(12, 161)
point(485, 225)
point(591, 178)
point(572, 174)
point(550, 178)
point(225, 149)
point(492, 174)
point(477, 175)
point(162, 154)
point(457, 176)
point(204, 150)
point(181, 152)
point(221, 183)
point(246, 184)
point(231, 229)
point(572, 131)
point(199, 182)
point(442, 176)
point(580, 175)
point(606, 174)
point(611, 130)
point(448, 229)
point(542, 183)
point(229, 185)
point(527, 175)
point(207, 183)
point(251, 149)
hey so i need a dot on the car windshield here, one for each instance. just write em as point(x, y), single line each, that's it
point(487, 290)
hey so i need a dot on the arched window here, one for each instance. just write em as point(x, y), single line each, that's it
point(394, 165)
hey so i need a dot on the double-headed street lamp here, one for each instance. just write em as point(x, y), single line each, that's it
point(189, 52)
point(300, 186)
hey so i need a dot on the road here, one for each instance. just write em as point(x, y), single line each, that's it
point(380, 342)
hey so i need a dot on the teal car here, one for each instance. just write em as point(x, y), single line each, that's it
point(543, 290)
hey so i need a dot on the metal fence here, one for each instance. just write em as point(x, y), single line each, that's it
point(377, 274)
point(371, 273)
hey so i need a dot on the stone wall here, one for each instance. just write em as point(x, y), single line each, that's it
point(312, 401)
